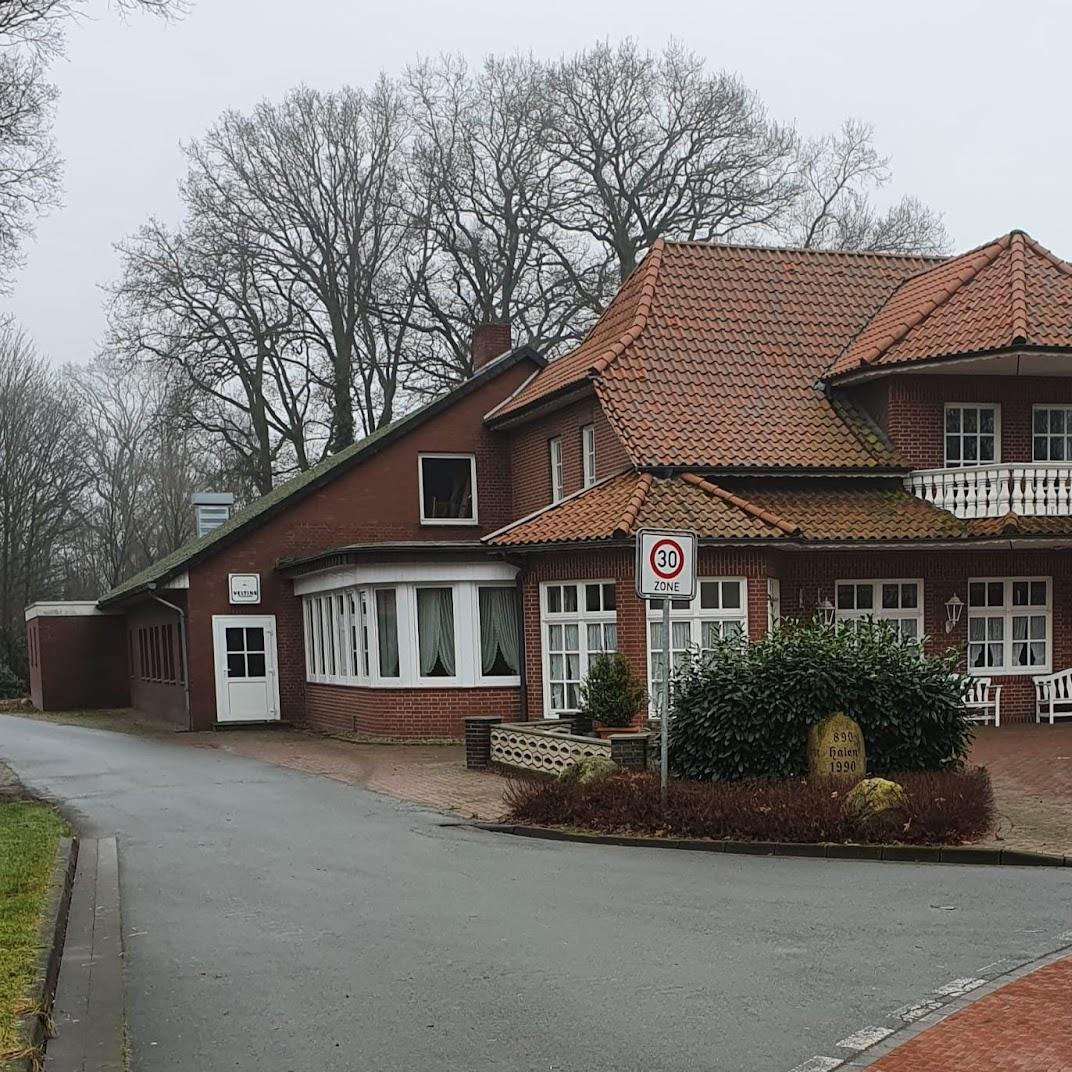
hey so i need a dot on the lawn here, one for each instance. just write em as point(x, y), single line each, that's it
point(28, 837)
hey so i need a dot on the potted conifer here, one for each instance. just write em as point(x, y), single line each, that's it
point(611, 695)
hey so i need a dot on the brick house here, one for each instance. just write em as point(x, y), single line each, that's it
point(853, 433)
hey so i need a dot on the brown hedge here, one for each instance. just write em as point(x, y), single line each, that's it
point(944, 807)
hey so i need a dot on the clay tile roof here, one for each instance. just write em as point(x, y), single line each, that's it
point(618, 507)
point(709, 355)
point(1009, 292)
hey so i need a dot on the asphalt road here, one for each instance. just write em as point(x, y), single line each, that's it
point(280, 921)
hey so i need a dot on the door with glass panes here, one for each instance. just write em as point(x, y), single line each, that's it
point(247, 686)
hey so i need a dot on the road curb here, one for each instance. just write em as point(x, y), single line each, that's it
point(34, 1027)
point(931, 854)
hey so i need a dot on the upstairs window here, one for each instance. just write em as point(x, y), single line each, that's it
point(557, 473)
point(972, 435)
point(1052, 434)
point(448, 489)
point(588, 454)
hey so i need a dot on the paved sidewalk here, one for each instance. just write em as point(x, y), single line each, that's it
point(435, 775)
point(1024, 1025)
point(1031, 768)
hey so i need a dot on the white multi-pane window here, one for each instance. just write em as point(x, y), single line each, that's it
point(972, 434)
point(558, 475)
point(579, 622)
point(1010, 623)
point(461, 633)
point(1052, 434)
point(588, 454)
point(720, 610)
point(898, 602)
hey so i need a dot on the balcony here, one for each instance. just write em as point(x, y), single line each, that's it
point(996, 490)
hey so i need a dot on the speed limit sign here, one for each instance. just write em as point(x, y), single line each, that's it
point(666, 564)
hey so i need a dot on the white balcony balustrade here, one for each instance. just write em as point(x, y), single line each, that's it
point(996, 490)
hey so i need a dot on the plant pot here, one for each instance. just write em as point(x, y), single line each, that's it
point(603, 732)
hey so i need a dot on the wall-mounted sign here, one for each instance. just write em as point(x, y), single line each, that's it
point(245, 587)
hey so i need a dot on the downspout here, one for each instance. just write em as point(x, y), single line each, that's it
point(523, 708)
point(184, 643)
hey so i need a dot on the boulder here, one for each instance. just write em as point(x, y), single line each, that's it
point(587, 769)
point(877, 806)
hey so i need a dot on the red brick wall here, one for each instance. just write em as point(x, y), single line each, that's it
point(376, 500)
point(916, 411)
point(156, 697)
point(807, 577)
point(530, 454)
point(617, 565)
point(78, 662)
point(404, 712)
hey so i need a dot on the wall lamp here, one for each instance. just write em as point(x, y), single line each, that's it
point(827, 609)
point(954, 608)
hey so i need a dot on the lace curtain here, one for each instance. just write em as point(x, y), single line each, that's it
point(387, 631)
point(499, 631)
point(435, 631)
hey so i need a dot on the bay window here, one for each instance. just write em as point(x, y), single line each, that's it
point(414, 634)
point(972, 435)
point(718, 612)
point(579, 620)
point(900, 603)
point(1010, 622)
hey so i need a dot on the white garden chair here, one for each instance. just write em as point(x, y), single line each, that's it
point(983, 701)
point(1053, 696)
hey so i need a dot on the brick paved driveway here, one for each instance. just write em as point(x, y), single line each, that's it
point(1025, 1025)
point(1031, 767)
point(435, 775)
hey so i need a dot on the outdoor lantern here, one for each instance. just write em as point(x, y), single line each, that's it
point(954, 608)
point(828, 611)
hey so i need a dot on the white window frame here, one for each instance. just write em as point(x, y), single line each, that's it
point(876, 611)
point(1047, 435)
point(465, 595)
point(1007, 612)
point(582, 618)
point(558, 474)
point(996, 407)
point(696, 616)
point(458, 456)
point(588, 454)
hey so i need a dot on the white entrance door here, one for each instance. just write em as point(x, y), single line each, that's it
point(247, 686)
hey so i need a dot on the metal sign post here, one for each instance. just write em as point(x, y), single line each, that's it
point(666, 570)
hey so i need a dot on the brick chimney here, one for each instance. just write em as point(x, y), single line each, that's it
point(489, 342)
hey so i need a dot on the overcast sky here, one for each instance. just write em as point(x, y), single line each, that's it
point(970, 99)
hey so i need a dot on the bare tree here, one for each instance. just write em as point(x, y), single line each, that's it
point(654, 146)
point(486, 190)
point(833, 207)
point(31, 33)
point(42, 483)
point(315, 178)
point(208, 310)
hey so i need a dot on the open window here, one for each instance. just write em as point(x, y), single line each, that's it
point(448, 489)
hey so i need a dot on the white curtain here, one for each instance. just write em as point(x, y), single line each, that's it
point(435, 631)
point(387, 631)
point(499, 632)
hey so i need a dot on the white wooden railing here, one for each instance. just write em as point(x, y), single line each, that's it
point(995, 490)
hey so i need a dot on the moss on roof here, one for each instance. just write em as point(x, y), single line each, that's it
point(192, 552)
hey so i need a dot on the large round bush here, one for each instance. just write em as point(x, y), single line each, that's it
point(743, 711)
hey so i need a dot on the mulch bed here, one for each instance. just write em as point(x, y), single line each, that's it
point(944, 808)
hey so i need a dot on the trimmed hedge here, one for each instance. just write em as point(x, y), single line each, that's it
point(944, 807)
point(743, 710)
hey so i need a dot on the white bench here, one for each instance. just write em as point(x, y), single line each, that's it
point(983, 700)
point(1053, 695)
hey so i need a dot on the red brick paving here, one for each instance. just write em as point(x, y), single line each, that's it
point(434, 775)
point(1025, 1025)
point(1031, 768)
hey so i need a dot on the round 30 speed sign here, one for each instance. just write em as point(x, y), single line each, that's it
point(666, 564)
